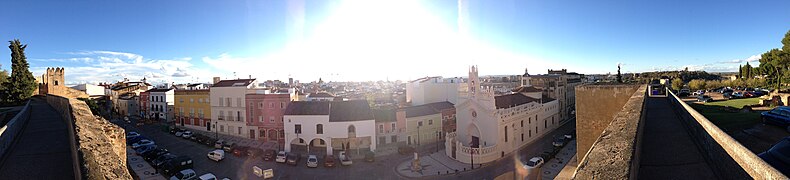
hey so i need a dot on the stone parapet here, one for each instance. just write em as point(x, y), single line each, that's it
point(101, 145)
point(614, 154)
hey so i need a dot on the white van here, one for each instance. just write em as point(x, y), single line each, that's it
point(216, 155)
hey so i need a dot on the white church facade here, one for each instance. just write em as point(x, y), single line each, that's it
point(490, 126)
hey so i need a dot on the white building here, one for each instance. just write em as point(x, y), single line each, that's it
point(320, 96)
point(161, 102)
point(491, 126)
point(324, 126)
point(432, 89)
point(90, 89)
point(228, 108)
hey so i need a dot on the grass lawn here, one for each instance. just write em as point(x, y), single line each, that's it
point(736, 103)
point(729, 121)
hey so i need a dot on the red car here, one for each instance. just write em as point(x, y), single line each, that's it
point(329, 161)
point(240, 151)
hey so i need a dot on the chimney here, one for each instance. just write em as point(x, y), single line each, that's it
point(216, 80)
point(250, 76)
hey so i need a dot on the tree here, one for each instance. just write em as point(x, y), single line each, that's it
point(747, 71)
point(677, 83)
point(712, 84)
point(778, 60)
point(22, 83)
point(697, 84)
point(740, 71)
point(619, 77)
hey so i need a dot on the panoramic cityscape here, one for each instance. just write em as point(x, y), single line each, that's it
point(354, 89)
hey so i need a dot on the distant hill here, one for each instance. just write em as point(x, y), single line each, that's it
point(686, 76)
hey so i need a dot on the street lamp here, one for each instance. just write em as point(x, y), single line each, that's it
point(216, 131)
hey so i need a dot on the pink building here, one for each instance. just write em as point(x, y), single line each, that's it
point(265, 115)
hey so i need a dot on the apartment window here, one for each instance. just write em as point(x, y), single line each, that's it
point(191, 112)
point(282, 135)
point(221, 128)
point(522, 137)
point(522, 123)
point(260, 118)
point(505, 133)
point(545, 124)
point(319, 129)
point(298, 129)
point(381, 128)
point(191, 100)
point(239, 130)
point(220, 101)
point(221, 115)
point(238, 102)
point(430, 122)
point(392, 127)
point(200, 113)
point(530, 133)
point(271, 105)
point(180, 99)
point(282, 105)
point(262, 133)
point(200, 100)
point(419, 123)
point(260, 105)
point(238, 115)
point(230, 116)
point(394, 139)
point(271, 119)
point(227, 102)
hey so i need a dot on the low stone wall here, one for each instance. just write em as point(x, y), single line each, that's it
point(615, 153)
point(727, 158)
point(101, 144)
point(10, 131)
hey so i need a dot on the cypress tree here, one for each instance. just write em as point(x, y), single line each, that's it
point(22, 83)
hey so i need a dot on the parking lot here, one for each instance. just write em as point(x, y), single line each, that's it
point(241, 167)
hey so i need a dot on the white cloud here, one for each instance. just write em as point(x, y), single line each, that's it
point(750, 59)
point(108, 66)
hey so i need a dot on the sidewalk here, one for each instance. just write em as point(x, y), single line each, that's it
point(140, 168)
point(553, 167)
point(434, 164)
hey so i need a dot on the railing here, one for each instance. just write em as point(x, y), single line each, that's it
point(726, 156)
point(10, 132)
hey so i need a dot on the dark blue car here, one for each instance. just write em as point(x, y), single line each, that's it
point(779, 156)
point(779, 116)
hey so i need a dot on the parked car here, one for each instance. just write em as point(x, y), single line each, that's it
point(198, 138)
point(143, 149)
point(281, 156)
point(151, 155)
point(559, 141)
point(569, 136)
point(329, 161)
point(534, 162)
point(219, 143)
point(779, 116)
point(186, 134)
point(228, 147)
point(698, 92)
point(176, 164)
point(777, 156)
point(132, 134)
point(180, 132)
point(240, 151)
point(144, 142)
point(684, 92)
point(207, 176)
point(293, 159)
point(704, 98)
point(216, 155)
point(210, 141)
point(133, 140)
point(268, 155)
point(738, 94)
point(186, 174)
point(254, 152)
point(312, 161)
point(370, 156)
point(157, 163)
point(344, 158)
point(172, 129)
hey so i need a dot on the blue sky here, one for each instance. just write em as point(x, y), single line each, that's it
point(191, 41)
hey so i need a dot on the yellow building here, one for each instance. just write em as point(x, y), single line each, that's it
point(193, 109)
point(423, 125)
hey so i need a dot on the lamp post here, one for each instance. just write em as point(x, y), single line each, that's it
point(438, 134)
point(216, 131)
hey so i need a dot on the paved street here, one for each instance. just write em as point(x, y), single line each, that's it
point(504, 165)
point(385, 167)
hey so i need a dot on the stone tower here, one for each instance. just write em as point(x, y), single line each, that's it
point(474, 81)
point(53, 81)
